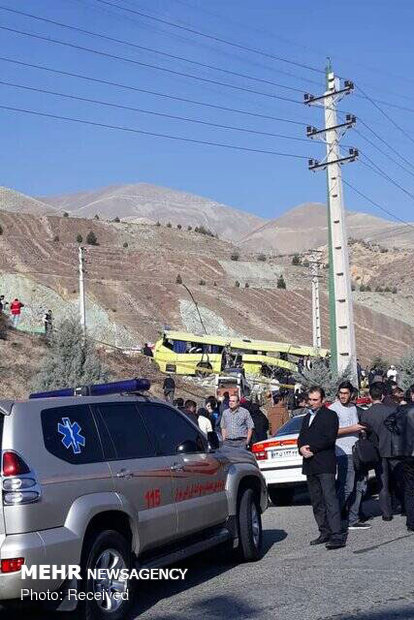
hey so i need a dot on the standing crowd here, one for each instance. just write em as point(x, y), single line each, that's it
point(339, 451)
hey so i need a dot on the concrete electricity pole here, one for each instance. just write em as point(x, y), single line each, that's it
point(316, 313)
point(343, 348)
point(82, 304)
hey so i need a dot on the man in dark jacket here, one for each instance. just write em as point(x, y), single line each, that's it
point(316, 443)
point(401, 425)
point(260, 421)
point(387, 469)
point(169, 389)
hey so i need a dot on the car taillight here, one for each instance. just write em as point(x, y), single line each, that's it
point(12, 565)
point(13, 465)
point(20, 485)
point(259, 451)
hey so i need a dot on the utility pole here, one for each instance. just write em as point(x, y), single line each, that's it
point(316, 313)
point(343, 348)
point(82, 304)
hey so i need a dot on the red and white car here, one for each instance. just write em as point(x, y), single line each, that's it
point(280, 462)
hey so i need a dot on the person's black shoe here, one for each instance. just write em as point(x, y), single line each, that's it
point(359, 525)
point(320, 540)
point(387, 518)
point(332, 544)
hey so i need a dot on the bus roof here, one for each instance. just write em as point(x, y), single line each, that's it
point(246, 344)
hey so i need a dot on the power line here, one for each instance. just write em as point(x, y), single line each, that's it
point(141, 110)
point(384, 175)
point(148, 65)
point(387, 116)
point(213, 37)
point(149, 133)
point(376, 204)
point(395, 161)
point(152, 92)
point(149, 49)
point(385, 142)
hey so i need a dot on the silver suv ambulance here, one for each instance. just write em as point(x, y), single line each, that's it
point(104, 477)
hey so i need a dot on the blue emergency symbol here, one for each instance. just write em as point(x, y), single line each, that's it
point(71, 435)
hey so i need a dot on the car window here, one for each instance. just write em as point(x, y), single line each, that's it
point(123, 432)
point(169, 429)
point(290, 428)
point(70, 433)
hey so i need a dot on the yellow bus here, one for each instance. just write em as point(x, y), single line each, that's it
point(184, 353)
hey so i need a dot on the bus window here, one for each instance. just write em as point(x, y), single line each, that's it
point(179, 346)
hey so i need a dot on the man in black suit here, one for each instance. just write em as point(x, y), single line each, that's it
point(388, 470)
point(316, 443)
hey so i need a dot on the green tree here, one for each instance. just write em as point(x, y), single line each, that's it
point(380, 363)
point(247, 285)
point(158, 223)
point(261, 257)
point(296, 259)
point(125, 245)
point(116, 219)
point(362, 288)
point(91, 238)
point(202, 282)
point(322, 374)
point(178, 279)
point(96, 216)
point(79, 238)
point(237, 284)
point(235, 255)
point(189, 228)
point(281, 282)
point(406, 370)
point(169, 225)
point(66, 214)
point(1, 229)
point(55, 238)
point(179, 226)
point(69, 361)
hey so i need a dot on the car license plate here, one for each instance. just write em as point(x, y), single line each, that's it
point(283, 454)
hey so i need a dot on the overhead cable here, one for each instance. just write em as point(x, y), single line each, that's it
point(149, 49)
point(152, 92)
point(149, 133)
point(376, 204)
point(143, 111)
point(213, 37)
point(149, 65)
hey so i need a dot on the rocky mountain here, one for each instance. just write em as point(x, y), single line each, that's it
point(16, 202)
point(133, 289)
point(144, 202)
point(306, 227)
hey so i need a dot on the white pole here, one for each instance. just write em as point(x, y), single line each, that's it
point(345, 334)
point(82, 303)
point(316, 314)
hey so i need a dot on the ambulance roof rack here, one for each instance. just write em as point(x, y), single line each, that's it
point(128, 386)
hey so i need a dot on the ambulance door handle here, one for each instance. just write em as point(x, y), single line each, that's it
point(177, 467)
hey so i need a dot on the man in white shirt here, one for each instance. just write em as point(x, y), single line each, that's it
point(348, 434)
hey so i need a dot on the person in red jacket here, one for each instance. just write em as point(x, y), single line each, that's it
point(15, 311)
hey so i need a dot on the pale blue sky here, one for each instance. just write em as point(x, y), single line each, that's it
point(370, 42)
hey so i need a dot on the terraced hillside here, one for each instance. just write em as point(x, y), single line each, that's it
point(132, 289)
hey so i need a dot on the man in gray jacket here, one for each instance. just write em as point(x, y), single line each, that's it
point(387, 469)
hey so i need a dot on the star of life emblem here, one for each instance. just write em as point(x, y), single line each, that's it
point(71, 435)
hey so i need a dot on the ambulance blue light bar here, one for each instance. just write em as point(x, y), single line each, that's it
point(98, 389)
